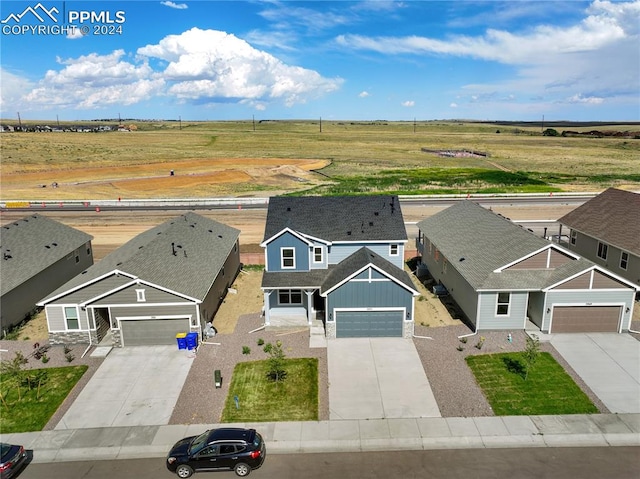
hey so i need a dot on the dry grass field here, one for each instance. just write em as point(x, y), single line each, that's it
point(232, 159)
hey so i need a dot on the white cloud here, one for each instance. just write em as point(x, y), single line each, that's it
point(598, 54)
point(75, 34)
point(92, 81)
point(13, 88)
point(408, 103)
point(579, 98)
point(453, 105)
point(363, 94)
point(177, 6)
point(209, 66)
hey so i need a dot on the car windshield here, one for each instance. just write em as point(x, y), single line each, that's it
point(5, 449)
point(199, 442)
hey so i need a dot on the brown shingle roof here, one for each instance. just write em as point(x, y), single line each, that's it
point(612, 217)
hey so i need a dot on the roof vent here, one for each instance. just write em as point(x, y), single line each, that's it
point(210, 231)
point(348, 233)
point(370, 223)
point(376, 213)
point(220, 236)
point(47, 246)
point(462, 259)
point(7, 256)
point(288, 208)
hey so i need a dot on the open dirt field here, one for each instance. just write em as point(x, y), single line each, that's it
point(192, 177)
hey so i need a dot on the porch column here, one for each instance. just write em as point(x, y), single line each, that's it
point(310, 311)
point(267, 318)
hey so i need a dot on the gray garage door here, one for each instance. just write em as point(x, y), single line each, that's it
point(369, 324)
point(150, 332)
point(585, 319)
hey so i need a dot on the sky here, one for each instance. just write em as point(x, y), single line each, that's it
point(335, 60)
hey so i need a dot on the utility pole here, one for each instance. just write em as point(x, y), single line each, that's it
point(19, 121)
point(320, 124)
point(542, 123)
point(58, 121)
point(253, 119)
point(180, 122)
point(414, 124)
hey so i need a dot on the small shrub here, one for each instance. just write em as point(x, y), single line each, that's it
point(460, 347)
point(463, 340)
point(480, 342)
point(45, 359)
point(69, 357)
point(260, 342)
point(267, 348)
point(67, 349)
point(246, 350)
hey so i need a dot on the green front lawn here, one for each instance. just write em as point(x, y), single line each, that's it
point(33, 410)
point(262, 400)
point(547, 390)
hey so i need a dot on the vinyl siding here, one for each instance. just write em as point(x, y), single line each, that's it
point(339, 252)
point(222, 282)
point(588, 298)
point(378, 294)
point(461, 291)
point(56, 320)
point(588, 247)
point(20, 301)
point(129, 296)
point(287, 240)
point(488, 319)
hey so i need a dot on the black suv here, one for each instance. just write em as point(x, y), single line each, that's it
point(240, 450)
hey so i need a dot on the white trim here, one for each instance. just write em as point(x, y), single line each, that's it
point(313, 254)
point(606, 272)
point(391, 253)
point(605, 247)
point(136, 305)
point(539, 250)
point(357, 272)
point(64, 315)
point(114, 272)
point(498, 303)
point(140, 296)
point(290, 294)
point(281, 232)
point(150, 318)
point(401, 309)
point(628, 258)
point(282, 258)
point(313, 238)
point(139, 282)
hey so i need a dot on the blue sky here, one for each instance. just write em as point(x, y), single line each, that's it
point(373, 60)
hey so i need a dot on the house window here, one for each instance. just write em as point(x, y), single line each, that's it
point(317, 254)
point(574, 236)
point(140, 295)
point(603, 249)
point(71, 317)
point(624, 260)
point(394, 250)
point(287, 258)
point(502, 308)
point(290, 296)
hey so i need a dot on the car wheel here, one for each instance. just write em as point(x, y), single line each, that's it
point(184, 471)
point(242, 469)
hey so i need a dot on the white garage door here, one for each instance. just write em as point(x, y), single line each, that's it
point(151, 332)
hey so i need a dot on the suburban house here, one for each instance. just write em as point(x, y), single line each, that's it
point(606, 230)
point(38, 255)
point(170, 279)
point(504, 277)
point(339, 259)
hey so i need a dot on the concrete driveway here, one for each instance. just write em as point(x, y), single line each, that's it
point(135, 386)
point(609, 364)
point(371, 378)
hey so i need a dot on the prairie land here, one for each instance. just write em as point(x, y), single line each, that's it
point(237, 158)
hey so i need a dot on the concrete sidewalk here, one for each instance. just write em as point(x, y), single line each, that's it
point(345, 436)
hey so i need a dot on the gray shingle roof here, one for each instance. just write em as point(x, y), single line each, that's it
point(613, 217)
point(33, 243)
point(487, 242)
point(338, 218)
point(201, 247)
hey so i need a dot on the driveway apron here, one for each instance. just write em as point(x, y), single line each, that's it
point(372, 378)
point(134, 386)
point(609, 364)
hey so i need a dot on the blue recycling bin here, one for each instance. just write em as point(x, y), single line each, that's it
point(181, 338)
point(192, 340)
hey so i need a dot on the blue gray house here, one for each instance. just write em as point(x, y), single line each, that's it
point(504, 277)
point(339, 259)
point(170, 279)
